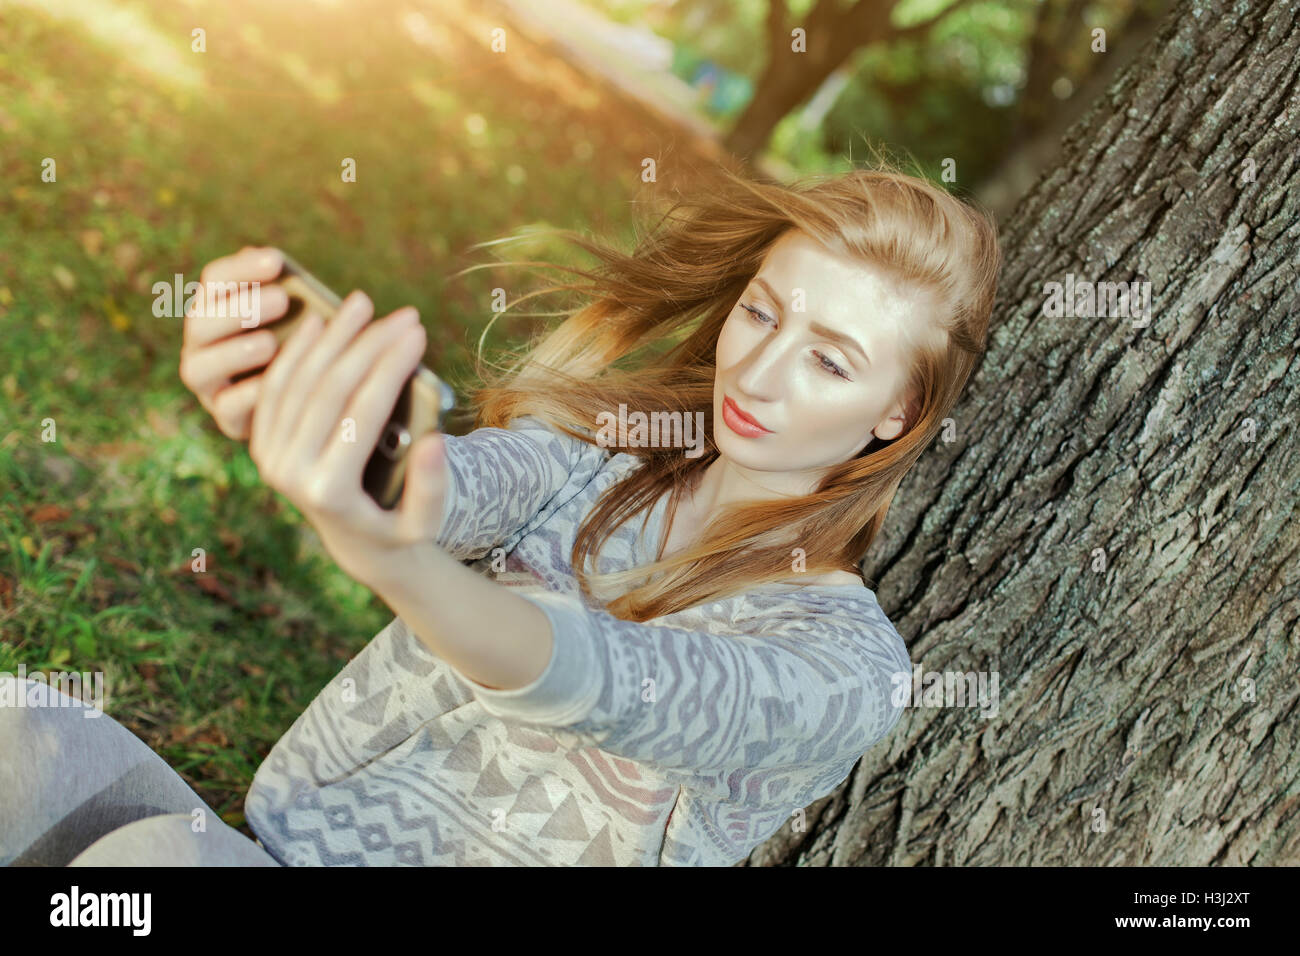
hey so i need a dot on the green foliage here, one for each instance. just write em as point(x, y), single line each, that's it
point(954, 92)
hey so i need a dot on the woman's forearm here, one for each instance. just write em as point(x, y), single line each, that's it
point(490, 635)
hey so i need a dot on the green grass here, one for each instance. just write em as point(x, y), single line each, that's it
point(166, 159)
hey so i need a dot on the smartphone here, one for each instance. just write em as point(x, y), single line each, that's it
point(421, 407)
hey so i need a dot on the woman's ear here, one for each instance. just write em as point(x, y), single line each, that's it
point(891, 426)
point(897, 419)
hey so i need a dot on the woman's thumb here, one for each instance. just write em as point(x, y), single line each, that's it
point(426, 473)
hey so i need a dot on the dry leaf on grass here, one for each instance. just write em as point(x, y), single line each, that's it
point(44, 514)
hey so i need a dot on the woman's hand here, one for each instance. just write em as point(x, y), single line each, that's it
point(217, 346)
point(322, 404)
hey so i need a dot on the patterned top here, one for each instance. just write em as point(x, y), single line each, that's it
point(686, 740)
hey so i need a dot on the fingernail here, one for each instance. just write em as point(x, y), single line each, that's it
point(356, 302)
point(257, 344)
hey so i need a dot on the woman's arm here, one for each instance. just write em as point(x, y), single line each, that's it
point(800, 689)
point(502, 481)
point(482, 629)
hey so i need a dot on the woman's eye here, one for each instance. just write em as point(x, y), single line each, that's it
point(823, 361)
point(830, 366)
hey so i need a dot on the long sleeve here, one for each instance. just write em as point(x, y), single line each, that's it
point(798, 690)
point(505, 480)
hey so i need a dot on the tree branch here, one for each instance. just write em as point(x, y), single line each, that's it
point(925, 26)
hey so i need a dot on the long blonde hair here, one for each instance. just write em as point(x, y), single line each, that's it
point(647, 338)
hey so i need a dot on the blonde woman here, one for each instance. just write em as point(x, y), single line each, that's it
point(646, 654)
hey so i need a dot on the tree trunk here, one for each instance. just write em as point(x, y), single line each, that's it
point(1112, 531)
point(831, 34)
point(787, 79)
point(785, 84)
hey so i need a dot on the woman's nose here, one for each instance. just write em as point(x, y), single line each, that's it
point(763, 371)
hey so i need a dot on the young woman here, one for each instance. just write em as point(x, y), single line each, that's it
point(634, 655)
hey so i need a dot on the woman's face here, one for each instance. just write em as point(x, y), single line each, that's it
point(815, 352)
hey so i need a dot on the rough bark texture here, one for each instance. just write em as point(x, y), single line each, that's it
point(1123, 689)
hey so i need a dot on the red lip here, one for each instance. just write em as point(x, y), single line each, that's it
point(740, 414)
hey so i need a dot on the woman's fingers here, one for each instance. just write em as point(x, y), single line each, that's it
point(275, 380)
point(207, 322)
point(208, 370)
point(339, 333)
point(251, 262)
point(213, 346)
point(219, 309)
point(320, 423)
point(232, 409)
point(370, 382)
point(320, 420)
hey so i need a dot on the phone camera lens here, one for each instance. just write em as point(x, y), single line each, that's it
point(395, 441)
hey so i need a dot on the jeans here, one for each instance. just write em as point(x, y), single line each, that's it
point(85, 791)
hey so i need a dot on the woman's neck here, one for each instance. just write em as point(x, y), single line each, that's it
point(724, 483)
point(719, 486)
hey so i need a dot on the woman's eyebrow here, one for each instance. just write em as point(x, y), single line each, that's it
point(816, 327)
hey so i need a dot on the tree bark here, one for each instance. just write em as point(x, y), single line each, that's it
point(1126, 731)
